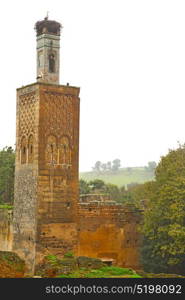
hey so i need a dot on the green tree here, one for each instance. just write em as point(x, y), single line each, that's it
point(104, 167)
point(164, 220)
point(116, 164)
point(7, 167)
point(141, 193)
point(109, 165)
point(84, 187)
point(97, 185)
point(132, 185)
point(151, 165)
point(97, 166)
point(113, 191)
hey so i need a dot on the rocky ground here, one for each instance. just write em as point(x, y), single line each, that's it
point(11, 266)
point(80, 267)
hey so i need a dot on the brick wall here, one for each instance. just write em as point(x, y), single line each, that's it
point(109, 232)
point(101, 230)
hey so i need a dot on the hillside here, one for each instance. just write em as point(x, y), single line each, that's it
point(122, 177)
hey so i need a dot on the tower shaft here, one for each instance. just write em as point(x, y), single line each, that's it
point(46, 170)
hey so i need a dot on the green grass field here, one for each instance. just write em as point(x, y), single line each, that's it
point(104, 272)
point(122, 177)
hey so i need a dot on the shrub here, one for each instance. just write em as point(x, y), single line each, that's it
point(69, 254)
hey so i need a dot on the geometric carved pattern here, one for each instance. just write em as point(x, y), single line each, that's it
point(26, 127)
point(27, 114)
point(58, 116)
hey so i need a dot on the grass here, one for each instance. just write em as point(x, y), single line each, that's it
point(52, 259)
point(69, 255)
point(104, 272)
point(122, 177)
point(5, 206)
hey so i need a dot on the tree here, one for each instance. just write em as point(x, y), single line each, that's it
point(116, 164)
point(7, 168)
point(151, 165)
point(104, 167)
point(113, 191)
point(84, 187)
point(109, 165)
point(97, 185)
point(164, 220)
point(131, 185)
point(141, 193)
point(97, 166)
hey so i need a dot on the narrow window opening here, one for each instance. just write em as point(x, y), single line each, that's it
point(68, 204)
point(51, 63)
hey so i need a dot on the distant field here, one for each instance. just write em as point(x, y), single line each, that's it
point(122, 177)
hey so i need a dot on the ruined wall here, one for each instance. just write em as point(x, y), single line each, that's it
point(109, 232)
point(105, 231)
point(5, 230)
point(26, 173)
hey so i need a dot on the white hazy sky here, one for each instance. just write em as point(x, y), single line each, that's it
point(128, 57)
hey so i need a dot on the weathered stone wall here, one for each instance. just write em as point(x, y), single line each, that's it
point(26, 174)
point(109, 232)
point(5, 230)
point(86, 198)
point(58, 170)
point(46, 172)
point(24, 215)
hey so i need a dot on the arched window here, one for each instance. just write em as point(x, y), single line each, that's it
point(30, 149)
point(23, 152)
point(64, 151)
point(51, 63)
point(51, 150)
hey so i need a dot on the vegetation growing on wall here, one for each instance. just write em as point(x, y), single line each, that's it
point(7, 164)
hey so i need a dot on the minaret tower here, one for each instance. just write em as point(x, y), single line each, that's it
point(47, 147)
point(48, 51)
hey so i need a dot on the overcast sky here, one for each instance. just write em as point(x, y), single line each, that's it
point(128, 58)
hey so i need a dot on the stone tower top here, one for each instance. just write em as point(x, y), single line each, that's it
point(48, 51)
point(47, 26)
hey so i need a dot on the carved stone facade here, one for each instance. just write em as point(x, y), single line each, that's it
point(46, 177)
